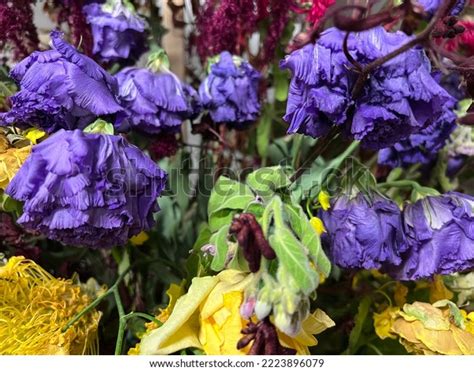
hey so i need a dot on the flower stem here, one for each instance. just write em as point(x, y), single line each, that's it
point(122, 322)
point(401, 184)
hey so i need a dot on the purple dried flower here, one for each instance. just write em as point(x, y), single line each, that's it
point(230, 92)
point(440, 235)
point(118, 32)
point(421, 147)
point(363, 231)
point(156, 101)
point(93, 190)
point(61, 88)
point(400, 98)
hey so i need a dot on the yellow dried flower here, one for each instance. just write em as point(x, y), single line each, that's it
point(383, 322)
point(34, 308)
point(433, 329)
point(11, 160)
point(208, 317)
point(468, 321)
point(438, 290)
point(323, 198)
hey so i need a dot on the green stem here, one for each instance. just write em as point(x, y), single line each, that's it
point(400, 184)
point(386, 296)
point(122, 322)
point(146, 316)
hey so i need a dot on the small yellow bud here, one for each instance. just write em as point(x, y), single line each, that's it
point(318, 225)
point(323, 198)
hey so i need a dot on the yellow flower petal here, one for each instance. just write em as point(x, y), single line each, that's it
point(34, 134)
point(383, 323)
point(323, 198)
point(316, 323)
point(438, 290)
point(181, 329)
point(10, 162)
point(317, 225)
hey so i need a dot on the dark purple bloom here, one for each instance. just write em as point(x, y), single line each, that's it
point(363, 232)
point(118, 32)
point(400, 98)
point(440, 236)
point(421, 147)
point(156, 102)
point(93, 190)
point(430, 6)
point(230, 92)
point(61, 88)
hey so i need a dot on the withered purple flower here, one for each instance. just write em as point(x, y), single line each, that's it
point(92, 190)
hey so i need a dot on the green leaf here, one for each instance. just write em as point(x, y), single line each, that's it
point(263, 132)
point(395, 174)
point(309, 238)
point(221, 218)
point(100, 126)
point(291, 255)
point(219, 240)
point(229, 194)
point(267, 180)
point(290, 252)
point(361, 316)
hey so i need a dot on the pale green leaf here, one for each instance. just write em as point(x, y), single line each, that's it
point(219, 240)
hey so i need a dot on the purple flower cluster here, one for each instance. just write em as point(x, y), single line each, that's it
point(61, 88)
point(364, 231)
point(230, 92)
point(440, 235)
point(93, 190)
point(118, 32)
point(434, 235)
point(156, 102)
point(400, 98)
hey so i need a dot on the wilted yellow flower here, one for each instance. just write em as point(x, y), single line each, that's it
point(34, 308)
point(428, 329)
point(208, 318)
point(468, 321)
point(317, 225)
point(323, 198)
point(11, 160)
point(383, 322)
point(438, 290)
point(316, 323)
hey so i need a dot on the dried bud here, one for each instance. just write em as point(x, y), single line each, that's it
point(250, 237)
